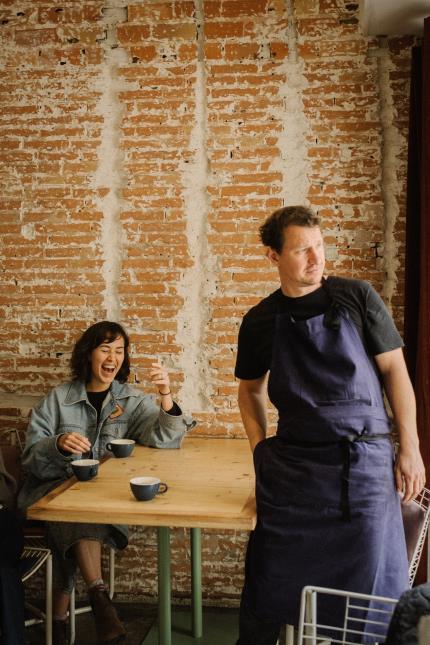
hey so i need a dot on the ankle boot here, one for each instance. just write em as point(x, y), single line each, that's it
point(109, 628)
point(59, 632)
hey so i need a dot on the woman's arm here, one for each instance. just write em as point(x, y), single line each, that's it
point(41, 456)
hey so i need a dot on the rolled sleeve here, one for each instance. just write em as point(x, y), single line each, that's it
point(152, 426)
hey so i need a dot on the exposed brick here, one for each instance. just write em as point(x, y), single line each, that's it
point(196, 109)
point(183, 31)
point(133, 33)
point(36, 37)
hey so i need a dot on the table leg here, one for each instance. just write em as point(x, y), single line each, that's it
point(196, 582)
point(164, 587)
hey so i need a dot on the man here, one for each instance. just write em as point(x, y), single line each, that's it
point(11, 546)
point(328, 512)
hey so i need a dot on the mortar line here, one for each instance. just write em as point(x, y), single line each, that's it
point(293, 162)
point(196, 284)
point(109, 173)
point(390, 148)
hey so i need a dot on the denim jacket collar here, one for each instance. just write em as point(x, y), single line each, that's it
point(78, 392)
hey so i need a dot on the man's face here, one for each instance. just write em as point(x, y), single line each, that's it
point(301, 261)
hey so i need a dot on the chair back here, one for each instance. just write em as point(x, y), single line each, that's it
point(416, 515)
point(12, 461)
point(358, 617)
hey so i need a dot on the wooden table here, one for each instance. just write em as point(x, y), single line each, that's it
point(211, 485)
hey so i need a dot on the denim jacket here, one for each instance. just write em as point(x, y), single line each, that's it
point(126, 412)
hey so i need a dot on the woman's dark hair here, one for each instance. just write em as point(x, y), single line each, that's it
point(272, 230)
point(101, 332)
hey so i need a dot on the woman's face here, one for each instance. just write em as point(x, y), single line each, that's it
point(106, 361)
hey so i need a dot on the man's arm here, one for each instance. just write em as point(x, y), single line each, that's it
point(409, 468)
point(252, 405)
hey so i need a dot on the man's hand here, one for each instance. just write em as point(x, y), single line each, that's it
point(410, 473)
point(409, 469)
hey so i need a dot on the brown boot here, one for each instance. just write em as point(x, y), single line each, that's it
point(59, 632)
point(109, 628)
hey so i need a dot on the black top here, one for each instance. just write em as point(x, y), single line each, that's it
point(365, 307)
point(96, 399)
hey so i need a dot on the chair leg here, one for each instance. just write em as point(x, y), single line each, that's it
point(48, 601)
point(428, 554)
point(111, 572)
point(289, 635)
point(72, 617)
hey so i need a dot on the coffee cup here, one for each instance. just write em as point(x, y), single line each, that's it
point(146, 488)
point(121, 447)
point(85, 469)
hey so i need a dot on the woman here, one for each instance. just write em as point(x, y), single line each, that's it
point(75, 420)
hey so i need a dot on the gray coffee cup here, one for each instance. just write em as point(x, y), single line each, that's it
point(121, 447)
point(146, 488)
point(85, 469)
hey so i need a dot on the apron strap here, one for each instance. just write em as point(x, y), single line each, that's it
point(345, 443)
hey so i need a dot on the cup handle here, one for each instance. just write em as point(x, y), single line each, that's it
point(163, 488)
point(109, 446)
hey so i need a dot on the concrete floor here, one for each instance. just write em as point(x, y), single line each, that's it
point(137, 618)
point(219, 626)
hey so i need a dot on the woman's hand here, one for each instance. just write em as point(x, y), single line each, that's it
point(160, 378)
point(73, 442)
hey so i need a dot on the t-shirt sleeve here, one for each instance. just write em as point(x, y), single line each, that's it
point(249, 365)
point(380, 330)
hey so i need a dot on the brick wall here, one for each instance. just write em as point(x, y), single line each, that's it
point(141, 146)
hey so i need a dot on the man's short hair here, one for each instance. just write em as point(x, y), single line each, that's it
point(272, 231)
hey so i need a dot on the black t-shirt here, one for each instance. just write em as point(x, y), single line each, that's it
point(365, 308)
point(96, 399)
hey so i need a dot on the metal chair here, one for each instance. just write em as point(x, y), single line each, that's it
point(36, 554)
point(363, 616)
point(416, 516)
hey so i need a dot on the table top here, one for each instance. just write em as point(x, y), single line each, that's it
point(211, 485)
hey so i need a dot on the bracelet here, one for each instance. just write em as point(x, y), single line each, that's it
point(164, 393)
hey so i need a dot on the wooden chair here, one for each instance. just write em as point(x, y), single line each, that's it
point(416, 517)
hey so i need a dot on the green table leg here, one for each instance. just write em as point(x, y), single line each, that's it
point(196, 582)
point(164, 587)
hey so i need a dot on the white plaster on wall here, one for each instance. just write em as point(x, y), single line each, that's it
point(392, 145)
point(293, 159)
point(197, 284)
point(28, 231)
point(109, 173)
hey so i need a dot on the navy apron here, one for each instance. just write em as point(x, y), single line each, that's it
point(328, 513)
